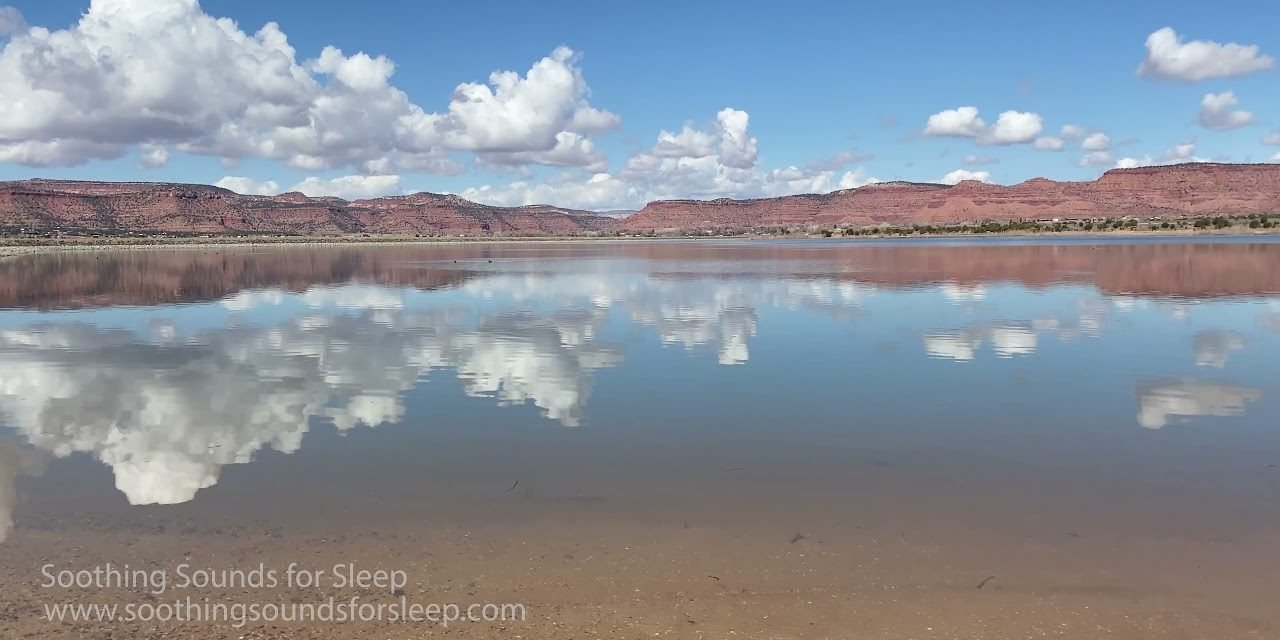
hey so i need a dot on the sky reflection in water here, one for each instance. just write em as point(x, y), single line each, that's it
point(166, 395)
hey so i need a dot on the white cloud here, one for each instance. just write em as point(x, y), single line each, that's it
point(962, 122)
point(793, 180)
point(1071, 132)
point(571, 150)
point(436, 161)
point(346, 187)
point(153, 157)
point(361, 71)
point(1169, 57)
point(515, 113)
point(1014, 127)
point(600, 191)
point(53, 153)
point(1068, 133)
point(1098, 146)
point(689, 143)
point(249, 186)
point(1096, 142)
point(1181, 152)
point(589, 120)
point(350, 187)
point(1272, 138)
point(1096, 159)
point(979, 160)
point(1049, 143)
point(163, 72)
point(1216, 112)
point(737, 147)
point(1011, 127)
point(718, 161)
point(960, 175)
point(11, 21)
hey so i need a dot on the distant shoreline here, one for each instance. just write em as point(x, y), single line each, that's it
point(13, 247)
point(10, 247)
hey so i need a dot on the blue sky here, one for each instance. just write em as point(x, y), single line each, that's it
point(836, 94)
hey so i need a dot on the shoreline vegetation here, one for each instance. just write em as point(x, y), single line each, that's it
point(13, 244)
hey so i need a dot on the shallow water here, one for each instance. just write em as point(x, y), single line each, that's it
point(875, 425)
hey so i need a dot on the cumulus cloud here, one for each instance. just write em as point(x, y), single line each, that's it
point(793, 180)
point(960, 175)
point(1068, 133)
point(689, 143)
point(962, 122)
point(164, 72)
point(1217, 112)
point(1272, 138)
point(153, 157)
point(600, 191)
point(737, 147)
point(1014, 127)
point(1011, 127)
point(11, 21)
point(1181, 152)
point(1170, 57)
point(716, 160)
point(1096, 142)
point(571, 150)
point(1096, 159)
point(57, 152)
point(589, 120)
point(979, 160)
point(351, 187)
point(1049, 143)
point(1071, 132)
point(249, 186)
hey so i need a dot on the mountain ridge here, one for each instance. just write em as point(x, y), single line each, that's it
point(1184, 190)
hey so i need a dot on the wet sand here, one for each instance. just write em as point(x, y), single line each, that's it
point(858, 544)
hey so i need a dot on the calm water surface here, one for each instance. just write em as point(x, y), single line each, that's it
point(965, 400)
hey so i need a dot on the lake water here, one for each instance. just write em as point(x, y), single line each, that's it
point(912, 439)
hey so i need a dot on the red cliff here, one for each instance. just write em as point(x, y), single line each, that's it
point(114, 208)
point(138, 207)
point(1172, 191)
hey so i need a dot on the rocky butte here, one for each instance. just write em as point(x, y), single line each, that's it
point(143, 207)
point(1183, 190)
point(1169, 191)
